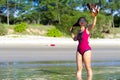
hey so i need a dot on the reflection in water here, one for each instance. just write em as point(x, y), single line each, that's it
point(15, 73)
point(55, 70)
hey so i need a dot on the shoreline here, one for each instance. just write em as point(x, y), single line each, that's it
point(37, 48)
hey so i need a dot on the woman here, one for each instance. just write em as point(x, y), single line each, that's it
point(84, 50)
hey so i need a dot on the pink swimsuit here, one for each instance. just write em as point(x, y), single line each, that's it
point(83, 45)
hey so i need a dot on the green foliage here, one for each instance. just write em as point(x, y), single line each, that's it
point(103, 23)
point(53, 32)
point(51, 10)
point(61, 13)
point(97, 33)
point(3, 30)
point(20, 27)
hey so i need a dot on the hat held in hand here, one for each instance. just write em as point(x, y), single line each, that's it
point(93, 9)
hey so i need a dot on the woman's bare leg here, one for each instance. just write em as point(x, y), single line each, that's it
point(87, 60)
point(79, 66)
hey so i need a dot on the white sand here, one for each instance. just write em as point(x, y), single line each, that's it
point(41, 40)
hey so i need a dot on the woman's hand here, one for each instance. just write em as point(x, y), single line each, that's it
point(94, 9)
point(74, 37)
point(97, 10)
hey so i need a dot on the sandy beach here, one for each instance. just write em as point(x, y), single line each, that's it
point(41, 40)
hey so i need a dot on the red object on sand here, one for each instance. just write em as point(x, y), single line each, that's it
point(52, 44)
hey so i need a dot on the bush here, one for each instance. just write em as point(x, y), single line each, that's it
point(96, 33)
point(3, 30)
point(53, 32)
point(20, 27)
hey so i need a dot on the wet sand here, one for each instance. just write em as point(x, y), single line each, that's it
point(30, 53)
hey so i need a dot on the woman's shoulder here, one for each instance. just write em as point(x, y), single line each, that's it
point(87, 30)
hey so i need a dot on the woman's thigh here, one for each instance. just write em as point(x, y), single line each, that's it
point(79, 60)
point(87, 58)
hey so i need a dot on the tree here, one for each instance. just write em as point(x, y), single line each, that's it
point(54, 9)
point(2, 2)
point(7, 8)
point(50, 11)
point(113, 6)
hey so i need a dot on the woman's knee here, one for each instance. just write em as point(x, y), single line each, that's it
point(88, 68)
point(89, 71)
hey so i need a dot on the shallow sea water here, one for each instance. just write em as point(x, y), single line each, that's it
point(65, 70)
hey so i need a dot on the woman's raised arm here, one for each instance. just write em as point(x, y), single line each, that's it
point(91, 27)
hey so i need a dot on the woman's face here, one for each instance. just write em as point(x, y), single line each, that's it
point(82, 22)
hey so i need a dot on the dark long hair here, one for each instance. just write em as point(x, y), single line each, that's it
point(77, 23)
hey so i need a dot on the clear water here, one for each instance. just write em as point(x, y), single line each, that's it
point(105, 70)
